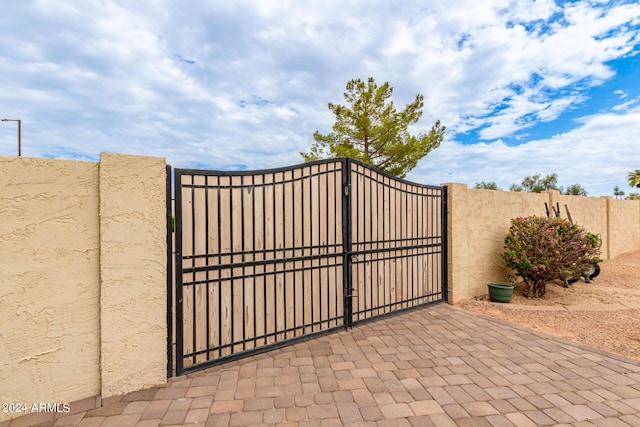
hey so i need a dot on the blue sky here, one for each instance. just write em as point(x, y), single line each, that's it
point(523, 86)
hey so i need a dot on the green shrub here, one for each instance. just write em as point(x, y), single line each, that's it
point(541, 249)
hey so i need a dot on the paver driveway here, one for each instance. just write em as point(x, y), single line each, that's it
point(439, 366)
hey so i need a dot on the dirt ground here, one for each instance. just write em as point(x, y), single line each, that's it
point(604, 314)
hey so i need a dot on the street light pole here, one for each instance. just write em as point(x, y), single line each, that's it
point(19, 133)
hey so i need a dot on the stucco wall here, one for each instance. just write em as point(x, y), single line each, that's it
point(479, 219)
point(82, 279)
point(83, 268)
point(588, 212)
point(624, 226)
point(49, 280)
point(133, 272)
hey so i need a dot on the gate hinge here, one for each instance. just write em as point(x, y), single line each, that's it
point(347, 187)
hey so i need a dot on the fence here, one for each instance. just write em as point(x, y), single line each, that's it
point(82, 274)
point(479, 220)
point(398, 248)
point(83, 262)
point(266, 257)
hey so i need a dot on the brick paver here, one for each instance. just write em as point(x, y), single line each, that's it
point(439, 366)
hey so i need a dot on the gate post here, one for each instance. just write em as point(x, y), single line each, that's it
point(177, 183)
point(444, 232)
point(346, 242)
point(169, 274)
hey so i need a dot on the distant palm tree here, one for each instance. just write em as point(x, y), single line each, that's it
point(634, 178)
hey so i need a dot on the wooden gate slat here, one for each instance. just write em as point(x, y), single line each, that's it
point(267, 257)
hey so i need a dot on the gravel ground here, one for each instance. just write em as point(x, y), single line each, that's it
point(604, 314)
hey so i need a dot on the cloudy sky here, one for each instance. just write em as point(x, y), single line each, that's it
point(523, 86)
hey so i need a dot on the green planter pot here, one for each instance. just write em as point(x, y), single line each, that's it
point(500, 293)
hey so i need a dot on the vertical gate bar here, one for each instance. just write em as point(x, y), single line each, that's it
point(304, 285)
point(409, 242)
point(418, 240)
point(444, 254)
point(231, 260)
point(355, 240)
point(311, 250)
point(253, 257)
point(275, 256)
point(384, 245)
point(346, 239)
point(220, 282)
point(403, 238)
point(391, 242)
point(367, 305)
point(437, 233)
point(394, 261)
point(337, 198)
point(244, 301)
point(293, 249)
point(170, 222)
point(416, 233)
point(177, 179)
point(404, 233)
point(326, 239)
point(380, 239)
point(412, 241)
point(425, 236)
point(284, 252)
point(400, 261)
point(399, 245)
point(264, 255)
point(193, 264)
point(424, 226)
point(320, 284)
point(206, 250)
point(360, 239)
point(421, 239)
point(405, 258)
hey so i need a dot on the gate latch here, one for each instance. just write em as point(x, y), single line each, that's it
point(347, 187)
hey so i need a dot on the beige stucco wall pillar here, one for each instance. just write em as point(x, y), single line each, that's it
point(133, 329)
point(457, 241)
point(49, 282)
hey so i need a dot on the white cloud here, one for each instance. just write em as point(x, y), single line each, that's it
point(597, 154)
point(247, 82)
point(620, 93)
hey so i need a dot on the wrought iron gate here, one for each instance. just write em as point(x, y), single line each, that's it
point(263, 258)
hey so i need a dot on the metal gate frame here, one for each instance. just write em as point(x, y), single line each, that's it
point(352, 251)
point(413, 240)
